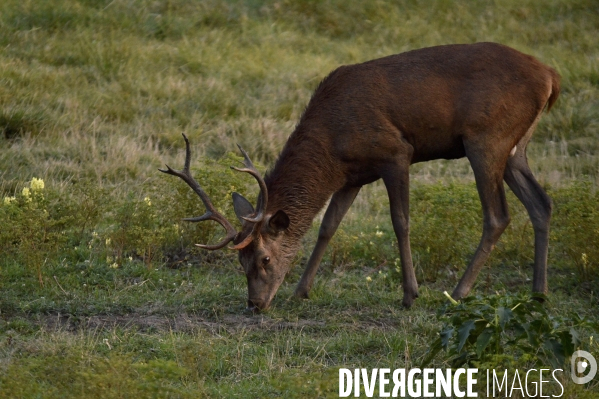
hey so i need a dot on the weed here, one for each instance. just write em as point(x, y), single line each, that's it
point(31, 233)
point(506, 331)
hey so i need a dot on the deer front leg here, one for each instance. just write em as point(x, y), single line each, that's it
point(397, 181)
point(340, 203)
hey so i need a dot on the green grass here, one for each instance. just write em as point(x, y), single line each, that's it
point(93, 98)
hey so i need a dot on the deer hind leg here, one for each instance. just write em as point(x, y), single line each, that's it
point(489, 182)
point(396, 181)
point(521, 181)
point(340, 203)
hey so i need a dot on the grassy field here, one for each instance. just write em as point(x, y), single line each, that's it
point(101, 292)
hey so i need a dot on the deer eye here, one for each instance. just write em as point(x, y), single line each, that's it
point(265, 260)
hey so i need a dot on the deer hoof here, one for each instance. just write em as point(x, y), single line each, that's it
point(301, 293)
point(408, 300)
point(539, 297)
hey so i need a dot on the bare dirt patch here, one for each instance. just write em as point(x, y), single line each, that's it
point(177, 323)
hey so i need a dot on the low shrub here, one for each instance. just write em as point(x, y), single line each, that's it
point(87, 222)
point(506, 330)
point(31, 231)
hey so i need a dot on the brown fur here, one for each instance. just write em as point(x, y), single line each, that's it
point(372, 120)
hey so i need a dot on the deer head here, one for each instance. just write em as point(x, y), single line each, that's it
point(261, 240)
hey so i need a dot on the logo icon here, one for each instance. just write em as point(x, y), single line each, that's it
point(580, 362)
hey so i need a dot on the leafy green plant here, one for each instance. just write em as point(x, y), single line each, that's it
point(148, 225)
point(505, 329)
point(29, 231)
point(134, 232)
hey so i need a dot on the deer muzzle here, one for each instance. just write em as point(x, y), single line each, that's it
point(257, 305)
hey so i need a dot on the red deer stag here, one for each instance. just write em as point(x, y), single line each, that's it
point(372, 121)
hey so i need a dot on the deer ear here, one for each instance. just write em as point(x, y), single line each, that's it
point(242, 207)
point(279, 221)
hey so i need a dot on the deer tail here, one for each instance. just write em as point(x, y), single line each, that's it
point(555, 88)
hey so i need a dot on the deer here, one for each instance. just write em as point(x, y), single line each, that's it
point(371, 121)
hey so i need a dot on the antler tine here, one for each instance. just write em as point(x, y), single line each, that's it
point(211, 212)
point(251, 169)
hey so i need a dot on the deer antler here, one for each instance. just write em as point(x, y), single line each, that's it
point(211, 212)
point(249, 168)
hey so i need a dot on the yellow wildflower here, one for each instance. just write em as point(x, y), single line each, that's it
point(148, 201)
point(36, 185)
point(9, 200)
point(26, 194)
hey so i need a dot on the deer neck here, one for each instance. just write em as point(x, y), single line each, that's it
point(300, 184)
